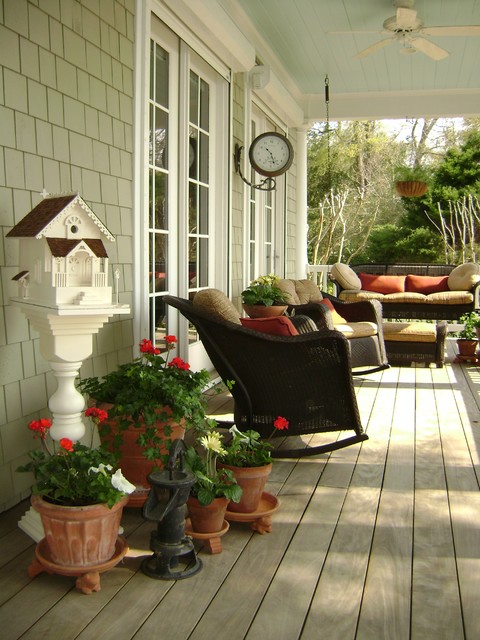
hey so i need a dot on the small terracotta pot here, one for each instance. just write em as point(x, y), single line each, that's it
point(467, 347)
point(80, 536)
point(253, 481)
point(207, 518)
point(261, 311)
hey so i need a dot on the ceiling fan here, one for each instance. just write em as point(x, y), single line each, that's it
point(405, 27)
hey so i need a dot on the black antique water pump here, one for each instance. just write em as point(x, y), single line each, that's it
point(174, 555)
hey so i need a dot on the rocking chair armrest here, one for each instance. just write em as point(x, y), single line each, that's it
point(362, 311)
point(319, 313)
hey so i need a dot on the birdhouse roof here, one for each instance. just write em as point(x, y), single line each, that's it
point(61, 247)
point(36, 223)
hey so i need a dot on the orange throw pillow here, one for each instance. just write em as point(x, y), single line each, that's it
point(279, 326)
point(426, 284)
point(382, 284)
point(336, 317)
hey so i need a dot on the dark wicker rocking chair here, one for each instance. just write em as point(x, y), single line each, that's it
point(306, 379)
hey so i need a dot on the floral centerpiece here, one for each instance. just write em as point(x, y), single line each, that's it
point(264, 290)
point(151, 389)
point(72, 474)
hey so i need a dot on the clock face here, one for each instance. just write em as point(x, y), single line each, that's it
point(271, 154)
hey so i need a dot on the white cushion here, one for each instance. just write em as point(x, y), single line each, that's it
point(463, 277)
point(346, 276)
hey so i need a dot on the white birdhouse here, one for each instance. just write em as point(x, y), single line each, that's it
point(63, 259)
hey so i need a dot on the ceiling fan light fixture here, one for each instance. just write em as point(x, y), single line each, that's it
point(407, 50)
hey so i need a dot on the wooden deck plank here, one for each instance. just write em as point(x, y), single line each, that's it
point(379, 540)
point(389, 572)
point(436, 600)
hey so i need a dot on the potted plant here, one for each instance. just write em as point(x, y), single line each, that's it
point(250, 460)
point(151, 401)
point(411, 182)
point(80, 497)
point(263, 297)
point(214, 488)
point(467, 338)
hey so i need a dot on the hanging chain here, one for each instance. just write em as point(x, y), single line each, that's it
point(327, 108)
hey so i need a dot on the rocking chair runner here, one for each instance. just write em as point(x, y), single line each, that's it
point(306, 379)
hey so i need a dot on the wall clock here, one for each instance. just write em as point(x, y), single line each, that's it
point(271, 154)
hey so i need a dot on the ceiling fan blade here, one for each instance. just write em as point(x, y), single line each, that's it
point(468, 30)
point(374, 47)
point(429, 48)
point(406, 18)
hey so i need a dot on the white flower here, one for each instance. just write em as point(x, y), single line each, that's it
point(241, 436)
point(211, 442)
point(102, 468)
point(121, 483)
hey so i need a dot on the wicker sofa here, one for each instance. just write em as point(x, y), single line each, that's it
point(414, 291)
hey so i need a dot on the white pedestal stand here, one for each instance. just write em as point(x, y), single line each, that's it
point(65, 342)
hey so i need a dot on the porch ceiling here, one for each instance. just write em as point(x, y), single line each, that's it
point(293, 38)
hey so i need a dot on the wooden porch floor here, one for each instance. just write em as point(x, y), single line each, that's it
point(376, 541)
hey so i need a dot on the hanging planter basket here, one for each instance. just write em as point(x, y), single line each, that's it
point(411, 188)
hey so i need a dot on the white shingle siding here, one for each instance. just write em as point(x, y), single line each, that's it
point(66, 124)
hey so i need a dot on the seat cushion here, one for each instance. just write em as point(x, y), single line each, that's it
point(215, 302)
point(278, 326)
point(463, 277)
point(357, 329)
point(409, 332)
point(345, 276)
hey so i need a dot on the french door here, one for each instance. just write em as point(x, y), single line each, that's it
point(187, 186)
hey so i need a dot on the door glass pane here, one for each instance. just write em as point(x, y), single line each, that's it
point(158, 189)
point(199, 187)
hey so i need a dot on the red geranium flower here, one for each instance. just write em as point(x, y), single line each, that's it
point(97, 415)
point(40, 427)
point(179, 363)
point(280, 423)
point(146, 346)
point(170, 339)
point(66, 444)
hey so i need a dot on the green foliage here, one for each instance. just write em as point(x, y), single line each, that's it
point(74, 474)
point(416, 173)
point(458, 175)
point(264, 290)
point(210, 482)
point(471, 321)
point(246, 449)
point(147, 390)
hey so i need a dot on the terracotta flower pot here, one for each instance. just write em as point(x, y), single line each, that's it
point(80, 536)
point(261, 311)
point(135, 467)
point(467, 347)
point(207, 518)
point(253, 481)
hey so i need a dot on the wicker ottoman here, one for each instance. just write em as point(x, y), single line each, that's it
point(408, 342)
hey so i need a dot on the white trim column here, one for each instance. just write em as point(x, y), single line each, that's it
point(301, 259)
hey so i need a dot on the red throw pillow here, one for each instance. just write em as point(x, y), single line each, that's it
point(382, 284)
point(278, 326)
point(336, 317)
point(426, 284)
